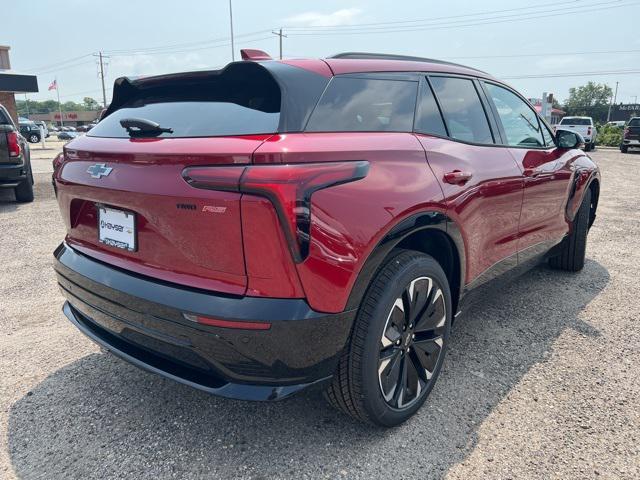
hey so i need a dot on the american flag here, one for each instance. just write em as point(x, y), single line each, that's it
point(54, 85)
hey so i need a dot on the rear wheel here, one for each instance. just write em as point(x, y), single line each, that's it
point(574, 247)
point(33, 138)
point(24, 190)
point(398, 342)
point(624, 149)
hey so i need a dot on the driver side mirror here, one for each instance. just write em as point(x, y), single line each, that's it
point(567, 139)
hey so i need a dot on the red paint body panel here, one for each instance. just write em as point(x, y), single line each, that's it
point(199, 247)
point(487, 207)
point(547, 175)
point(270, 268)
point(349, 220)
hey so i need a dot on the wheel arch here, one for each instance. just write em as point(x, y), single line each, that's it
point(431, 232)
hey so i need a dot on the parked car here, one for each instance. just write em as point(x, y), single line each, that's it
point(15, 159)
point(67, 135)
point(30, 131)
point(43, 126)
point(584, 126)
point(631, 135)
point(617, 123)
point(310, 222)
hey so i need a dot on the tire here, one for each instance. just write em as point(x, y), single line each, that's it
point(33, 138)
point(24, 190)
point(573, 248)
point(593, 146)
point(624, 149)
point(369, 381)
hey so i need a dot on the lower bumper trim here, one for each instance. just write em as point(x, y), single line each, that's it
point(156, 364)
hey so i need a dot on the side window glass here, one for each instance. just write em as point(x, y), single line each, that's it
point(429, 119)
point(520, 123)
point(462, 109)
point(365, 105)
point(548, 136)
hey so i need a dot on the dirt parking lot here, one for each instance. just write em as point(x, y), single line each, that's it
point(541, 380)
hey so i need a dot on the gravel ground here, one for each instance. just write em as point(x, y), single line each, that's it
point(541, 381)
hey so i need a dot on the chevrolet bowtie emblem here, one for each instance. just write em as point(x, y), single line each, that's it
point(99, 170)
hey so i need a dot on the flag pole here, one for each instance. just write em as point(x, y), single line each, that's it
point(59, 105)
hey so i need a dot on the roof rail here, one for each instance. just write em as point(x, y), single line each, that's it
point(388, 56)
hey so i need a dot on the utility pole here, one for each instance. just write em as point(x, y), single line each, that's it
point(104, 92)
point(233, 48)
point(26, 102)
point(55, 80)
point(613, 100)
point(279, 34)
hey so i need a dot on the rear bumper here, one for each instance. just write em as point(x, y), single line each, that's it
point(635, 142)
point(141, 320)
point(11, 174)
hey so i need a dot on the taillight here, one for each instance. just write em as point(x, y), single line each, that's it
point(626, 132)
point(14, 146)
point(289, 187)
point(234, 324)
point(589, 131)
point(57, 161)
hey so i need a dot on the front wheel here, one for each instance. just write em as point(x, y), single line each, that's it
point(398, 342)
point(574, 247)
point(624, 149)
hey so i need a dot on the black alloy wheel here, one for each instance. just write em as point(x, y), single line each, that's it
point(411, 343)
point(398, 342)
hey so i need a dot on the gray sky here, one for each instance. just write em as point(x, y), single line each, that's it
point(159, 36)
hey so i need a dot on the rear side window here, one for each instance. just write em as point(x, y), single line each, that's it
point(227, 104)
point(575, 121)
point(462, 109)
point(519, 121)
point(365, 105)
point(634, 122)
point(429, 119)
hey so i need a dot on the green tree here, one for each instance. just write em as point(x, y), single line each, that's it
point(91, 104)
point(591, 100)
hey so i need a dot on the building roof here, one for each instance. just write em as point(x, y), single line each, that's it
point(17, 83)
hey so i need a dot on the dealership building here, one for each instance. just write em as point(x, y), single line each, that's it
point(12, 83)
point(70, 119)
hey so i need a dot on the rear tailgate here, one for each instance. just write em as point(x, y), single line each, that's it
point(182, 234)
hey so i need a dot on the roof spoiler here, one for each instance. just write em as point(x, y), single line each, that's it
point(254, 55)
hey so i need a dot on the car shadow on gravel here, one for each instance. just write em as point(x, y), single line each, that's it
point(101, 418)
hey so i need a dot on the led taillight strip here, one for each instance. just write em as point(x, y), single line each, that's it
point(289, 187)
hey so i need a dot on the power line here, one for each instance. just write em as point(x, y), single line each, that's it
point(553, 54)
point(448, 25)
point(491, 12)
point(571, 74)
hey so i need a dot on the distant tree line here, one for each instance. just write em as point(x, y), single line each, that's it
point(591, 100)
point(32, 106)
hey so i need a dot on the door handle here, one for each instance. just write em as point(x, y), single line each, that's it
point(531, 172)
point(457, 177)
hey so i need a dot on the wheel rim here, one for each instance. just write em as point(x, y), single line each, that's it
point(411, 342)
point(34, 139)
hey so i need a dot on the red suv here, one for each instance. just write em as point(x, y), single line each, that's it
point(274, 225)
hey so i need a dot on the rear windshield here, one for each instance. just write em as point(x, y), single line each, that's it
point(224, 105)
point(575, 121)
point(634, 122)
point(365, 105)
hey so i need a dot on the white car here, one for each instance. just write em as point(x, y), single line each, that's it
point(584, 126)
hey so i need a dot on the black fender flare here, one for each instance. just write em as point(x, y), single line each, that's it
point(573, 203)
point(426, 220)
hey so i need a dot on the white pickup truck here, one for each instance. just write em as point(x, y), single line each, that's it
point(584, 126)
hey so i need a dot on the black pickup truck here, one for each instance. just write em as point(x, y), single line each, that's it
point(631, 135)
point(15, 159)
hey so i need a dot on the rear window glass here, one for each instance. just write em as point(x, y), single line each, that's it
point(575, 121)
point(429, 119)
point(365, 105)
point(224, 105)
point(634, 122)
point(462, 110)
